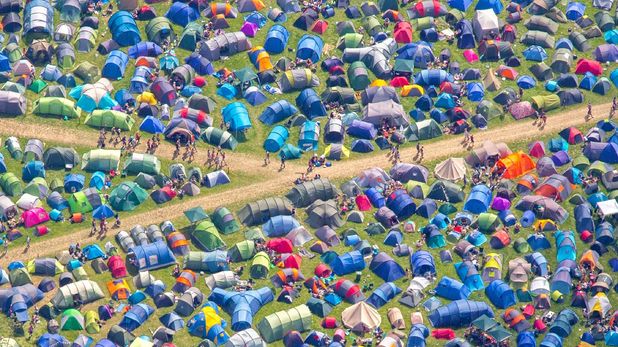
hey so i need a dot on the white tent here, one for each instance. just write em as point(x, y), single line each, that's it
point(539, 285)
point(485, 22)
point(361, 316)
point(607, 208)
point(452, 169)
point(28, 202)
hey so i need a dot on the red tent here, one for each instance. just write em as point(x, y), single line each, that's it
point(293, 261)
point(587, 65)
point(329, 322)
point(443, 334)
point(116, 266)
point(280, 245)
point(41, 230)
point(537, 149)
point(528, 311)
point(572, 135)
point(322, 270)
point(539, 325)
point(402, 33)
point(362, 203)
point(586, 236)
point(320, 26)
point(336, 70)
point(399, 81)
point(447, 87)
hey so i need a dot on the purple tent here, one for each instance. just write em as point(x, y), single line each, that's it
point(500, 204)
point(561, 158)
point(249, 29)
point(606, 52)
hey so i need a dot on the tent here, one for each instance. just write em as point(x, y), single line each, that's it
point(452, 169)
point(500, 294)
point(127, 196)
point(452, 289)
point(86, 291)
point(385, 267)
point(458, 313)
point(422, 262)
point(469, 275)
point(153, 256)
point(136, 316)
point(241, 306)
point(361, 317)
point(274, 326)
point(226, 44)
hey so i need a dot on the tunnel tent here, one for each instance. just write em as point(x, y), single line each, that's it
point(115, 65)
point(297, 79)
point(304, 194)
point(458, 313)
point(276, 39)
point(85, 291)
point(158, 29)
point(218, 137)
point(38, 20)
point(277, 112)
point(109, 119)
point(225, 45)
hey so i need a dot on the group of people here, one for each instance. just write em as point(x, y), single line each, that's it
point(128, 145)
point(216, 159)
point(190, 149)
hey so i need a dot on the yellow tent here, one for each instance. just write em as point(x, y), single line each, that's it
point(378, 83)
point(146, 97)
point(412, 90)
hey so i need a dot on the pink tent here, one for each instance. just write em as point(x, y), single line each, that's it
point(249, 29)
point(537, 149)
point(470, 56)
point(34, 216)
point(500, 204)
point(521, 110)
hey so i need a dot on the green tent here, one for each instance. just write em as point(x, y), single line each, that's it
point(55, 107)
point(345, 27)
point(350, 40)
point(260, 266)
point(10, 184)
point(158, 29)
point(254, 234)
point(37, 187)
point(12, 145)
point(109, 119)
point(371, 25)
point(218, 137)
point(419, 24)
point(418, 190)
point(404, 66)
point(56, 185)
point(358, 76)
point(72, 319)
point(224, 220)
point(101, 160)
point(487, 222)
point(546, 102)
point(581, 162)
point(196, 214)
point(489, 109)
point(423, 130)
point(446, 191)
point(37, 86)
point(191, 35)
point(19, 277)
point(85, 291)
point(127, 196)
point(521, 245)
point(87, 72)
point(274, 326)
point(13, 52)
point(243, 250)
point(92, 319)
point(385, 5)
point(203, 261)
point(206, 236)
point(142, 163)
point(78, 203)
point(598, 168)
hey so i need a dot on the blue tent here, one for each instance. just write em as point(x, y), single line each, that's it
point(422, 262)
point(102, 211)
point(526, 82)
point(253, 95)
point(417, 335)
point(123, 28)
point(461, 5)
point(145, 49)
point(437, 115)
point(538, 263)
point(557, 144)
point(476, 238)
point(375, 197)
point(469, 275)
point(401, 204)
point(604, 233)
point(210, 329)
point(140, 80)
point(226, 91)
point(182, 14)
point(310, 104)
point(476, 91)
point(564, 43)
point(279, 226)
point(479, 199)
point(452, 289)
point(115, 65)
point(565, 245)
point(152, 125)
point(5, 63)
point(276, 39)
point(256, 18)
point(459, 313)
point(74, 182)
point(277, 111)
point(393, 238)
point(495, 5)
point(613, 76)
point(153, 256)
point(276, 139)
point(242, 306)
point(535, 53)
point(56, 201)
point(526, 339)
point(432, 77)
point(309, 136)
point(136, 316)
point(419, 52)
point(52, 340)
point(424, 103)
point(93, 252)
point(172, 321)
point(97, 180)
point(611, 338)
point(309, 47)
point(211, 262)
point(348, 263)
point(32, 169)
point(386, 268)
point(575, 10)
point(417, 115)
point(427, 208)
point(445, 100)
point(361, 146)
point(551, 340)
point(465, 39)
point(588, 81)
point(361, 129)
point(583, 218)
point(3, 168)
point(500, 294)
point(383, 294)
point(538, 242)
point(237, 115)
point(290, 151)
point(200, 64)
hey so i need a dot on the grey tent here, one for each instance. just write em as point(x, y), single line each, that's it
point(541, 71)
point(245, 338)
point(423, 130)
point(541, 7)
point(8, 209)
point(538, 38)
point(605, 5)
point(375, 57)
point(404, 172)
point(321, 213)
point(378, 94)
point(386, 217)
point(12, 104)
point(562, 60)
point(541, 23)
point(545, 167)
point(224, 45)
point(334, 131)
point(327, 235)
point(304, 194)
point(485, 24)
point(56, 90)
point(202, 103)
point(580, 42)
point(33, 150)
point(60, 158)
point(387, 111)
point(297, 79)
point(259, 212)
point(86, 39)
point(145, 181)
point(86, 291)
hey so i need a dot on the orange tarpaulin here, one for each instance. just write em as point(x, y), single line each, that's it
point(516, 165)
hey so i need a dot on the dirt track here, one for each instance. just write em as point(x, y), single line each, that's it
point(518, 131)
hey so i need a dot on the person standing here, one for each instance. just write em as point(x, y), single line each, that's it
point(282, 162)
point(267, 158)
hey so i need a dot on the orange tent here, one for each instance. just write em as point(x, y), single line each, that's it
point(590, 258)
point(516, 165)
point(118, 289)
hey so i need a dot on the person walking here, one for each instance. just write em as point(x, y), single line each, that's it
point(28, 240)
point(267, 158)
point(282, 162)
point(589, 115)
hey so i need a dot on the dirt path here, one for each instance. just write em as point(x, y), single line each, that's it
point(518, 131)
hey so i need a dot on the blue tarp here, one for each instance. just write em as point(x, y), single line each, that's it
point(478, 200)
point(422, 262)
point(276, 39)
point(115, 65)
point(277, 111)
point(182, 14)
point(237, 115)
point(123, 28)
point(452, 289)
point(500, 294)
point(153, 256)
point(348, 263)
point(242, 306)
point(310, 104)
point(279, 226)
point(136, 316)
point(459, 313)
point(310, 47)
point(383, 294)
